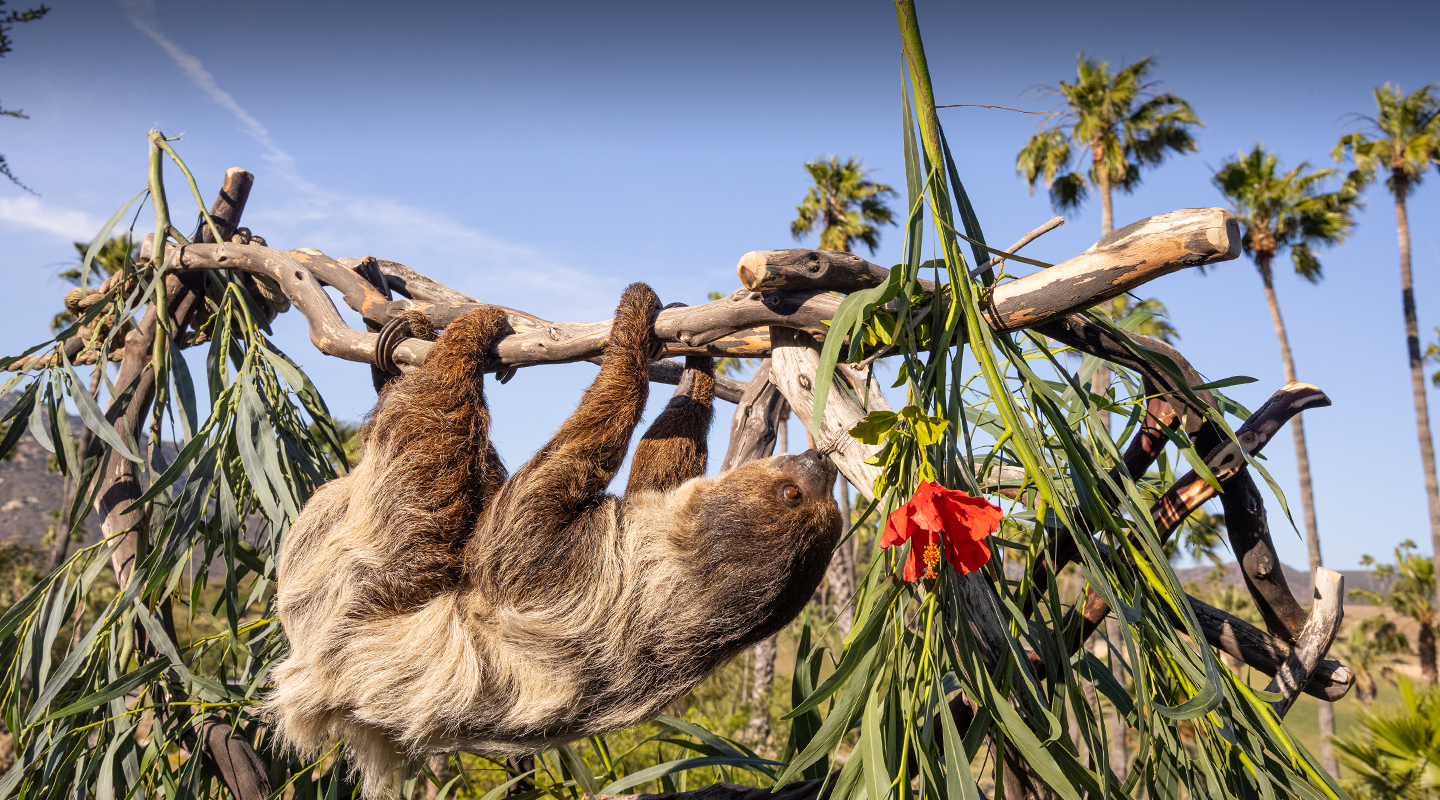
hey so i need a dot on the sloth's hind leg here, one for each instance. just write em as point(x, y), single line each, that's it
point(431, 466)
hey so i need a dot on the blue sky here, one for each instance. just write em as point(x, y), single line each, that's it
point(543, 155)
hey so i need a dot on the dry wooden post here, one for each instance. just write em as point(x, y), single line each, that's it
point(1237, 638)
point(1314, 641)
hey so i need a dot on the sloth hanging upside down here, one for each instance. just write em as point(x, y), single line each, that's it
point(432, 604)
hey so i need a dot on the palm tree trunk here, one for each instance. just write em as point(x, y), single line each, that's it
point(1107, 212)
point(1417, 383)
point(1425, 648)
point(1307, 493)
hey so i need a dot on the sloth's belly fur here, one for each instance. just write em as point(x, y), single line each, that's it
point(464, 673)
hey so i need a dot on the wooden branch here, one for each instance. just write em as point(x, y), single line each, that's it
point(1122, 260)
point(1326, 614)
point(1228, 466)
point(757, 415)
point(995, 261)
point(226, 754)
point(794, 362)
point(1330, 681)
point(734, 326)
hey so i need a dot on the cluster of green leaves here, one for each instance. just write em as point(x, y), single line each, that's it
point(1395, 752)
point(91, 713)
point(977, 399)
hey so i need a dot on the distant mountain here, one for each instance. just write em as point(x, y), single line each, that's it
point(1299, 581)
point(30, 493)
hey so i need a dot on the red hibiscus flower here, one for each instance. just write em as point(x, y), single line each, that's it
point(964, 520)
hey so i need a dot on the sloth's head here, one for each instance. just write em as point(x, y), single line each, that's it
point(764, 533)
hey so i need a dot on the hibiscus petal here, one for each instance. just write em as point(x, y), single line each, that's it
point(897, 527)
point(927, 514)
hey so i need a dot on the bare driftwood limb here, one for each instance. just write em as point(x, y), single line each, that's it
point(757, 416)
point(1326, 614)
point(1122, 260)
point(1330, 680)
point(1050, 225)
point(1229, 467)
point(733, 326)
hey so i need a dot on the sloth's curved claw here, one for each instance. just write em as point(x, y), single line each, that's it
point(505, 375)
point(392, 333)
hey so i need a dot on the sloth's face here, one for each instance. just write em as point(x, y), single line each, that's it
point(773, 510)
point(802, 478)
point(766, 532)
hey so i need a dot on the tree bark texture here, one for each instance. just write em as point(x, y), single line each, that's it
point(1425, 649)
point(1255, 648)
point(1417, 376)
point(1326, 614)
point(1107, 201)
point(764, 679)
point(841, 572)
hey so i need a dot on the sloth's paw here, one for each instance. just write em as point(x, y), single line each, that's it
point(634, 325)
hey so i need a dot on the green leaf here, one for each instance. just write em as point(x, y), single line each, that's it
point(1238, 380)
point(578, 769)
point(861, 648)
point(671, 767)
point(872, 744)
point(959, 785)
point(18, 415)
point(873, 428)
point(119, 688)
point(93, 417)
point(847, 708)
point(104, 236)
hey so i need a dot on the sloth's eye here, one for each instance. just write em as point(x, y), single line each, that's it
point(790, 492)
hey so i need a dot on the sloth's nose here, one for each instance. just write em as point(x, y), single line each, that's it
point(810, 469)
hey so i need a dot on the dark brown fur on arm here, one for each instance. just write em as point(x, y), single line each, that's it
point(433, 431)
point(547, 498)
point(675, 448)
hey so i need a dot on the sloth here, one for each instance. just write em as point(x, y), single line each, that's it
point(433, 604)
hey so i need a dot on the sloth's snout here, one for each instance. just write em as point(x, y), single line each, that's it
point(811, 470)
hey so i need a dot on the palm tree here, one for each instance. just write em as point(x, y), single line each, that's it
point(1406, 130)
point(1118, 122)
point(1410, 590)
point(1396, 753)
point(1279, 211)
point(1369, 649)
point(843, 204)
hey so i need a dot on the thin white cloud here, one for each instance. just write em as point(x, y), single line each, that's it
point(347, 225)
point(142, 15)
point(66, 223)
